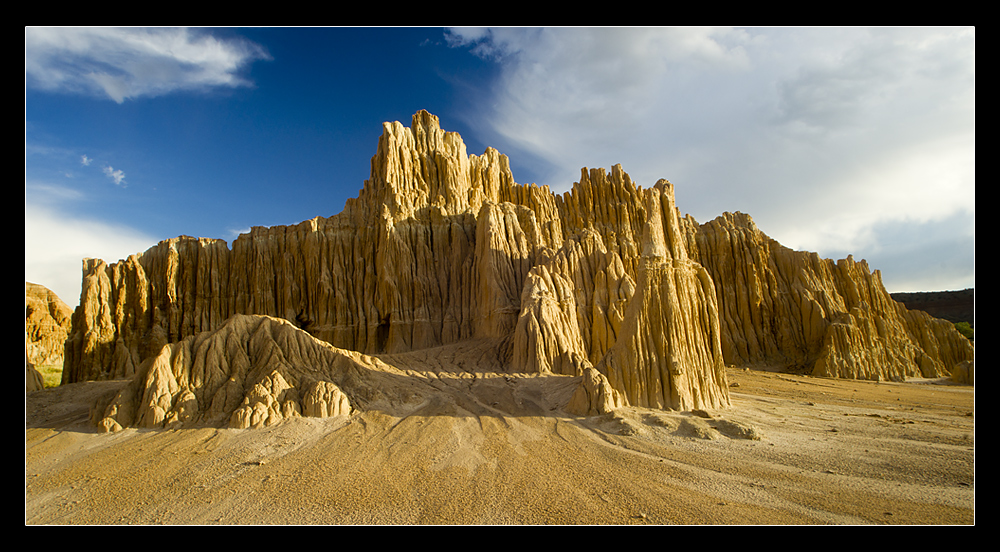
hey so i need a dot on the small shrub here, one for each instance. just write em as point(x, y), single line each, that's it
point(965, 329)
point(51, 374)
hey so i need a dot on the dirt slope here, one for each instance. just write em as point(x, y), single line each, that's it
point(498, 449)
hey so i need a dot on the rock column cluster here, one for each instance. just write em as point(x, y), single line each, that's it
point(796, 311)
point(440, 246)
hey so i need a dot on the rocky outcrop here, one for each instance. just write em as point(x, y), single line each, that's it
point(792, 309)
point(47, 323)
point(441, 247)
point(964, 372)
point(594, 396)
point(669, 352)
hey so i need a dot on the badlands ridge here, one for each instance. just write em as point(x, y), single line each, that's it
point(444, 265)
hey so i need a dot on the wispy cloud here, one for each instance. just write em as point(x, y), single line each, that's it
point(566, 93)
point(116, 175)
point(85, 161)
point(128, 63)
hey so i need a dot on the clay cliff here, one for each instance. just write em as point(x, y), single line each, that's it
point(607, 282)
point(47, 323)
point(796, 311)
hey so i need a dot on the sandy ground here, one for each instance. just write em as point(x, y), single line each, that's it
point(497, 449)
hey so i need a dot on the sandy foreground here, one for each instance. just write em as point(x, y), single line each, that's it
point(498, 449)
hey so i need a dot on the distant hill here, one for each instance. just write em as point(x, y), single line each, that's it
point(953, 306)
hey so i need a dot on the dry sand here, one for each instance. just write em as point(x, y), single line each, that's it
point(497, 449)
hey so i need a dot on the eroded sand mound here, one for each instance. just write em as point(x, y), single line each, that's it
point(257, 371)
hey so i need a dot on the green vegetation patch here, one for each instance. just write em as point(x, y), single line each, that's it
point(967, 330)
point(51, 374)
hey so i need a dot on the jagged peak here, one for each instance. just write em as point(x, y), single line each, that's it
point(426, 119)
point(423, 165)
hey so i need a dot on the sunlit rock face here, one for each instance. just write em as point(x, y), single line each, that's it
point(442, 247)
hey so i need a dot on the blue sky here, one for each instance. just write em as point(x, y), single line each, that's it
point(836, 140)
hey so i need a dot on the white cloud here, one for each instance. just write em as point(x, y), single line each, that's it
point(128, 63)
point(55, 245)
point(566, 92)
point(825, 136)
point(116, 175)
point(85, 161)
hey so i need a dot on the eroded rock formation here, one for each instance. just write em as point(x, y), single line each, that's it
point(442, 247)
point(794, 310)
point(47, 323)
point(669, 353)
point(253, 371)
